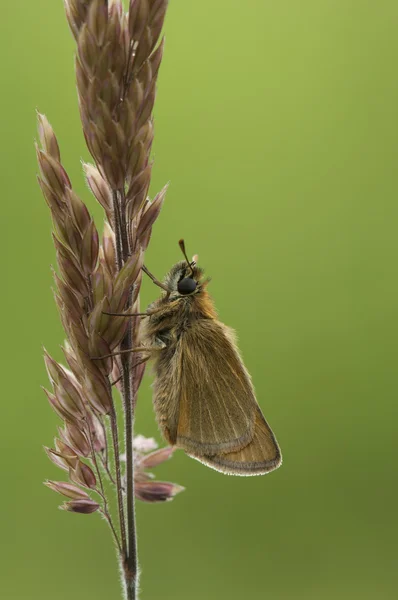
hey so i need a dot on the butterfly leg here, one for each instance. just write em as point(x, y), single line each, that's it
point(137, 364)
point(149, 313)
point(155, 281)
point(159, 345)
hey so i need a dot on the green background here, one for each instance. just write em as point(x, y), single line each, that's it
point(276, 124)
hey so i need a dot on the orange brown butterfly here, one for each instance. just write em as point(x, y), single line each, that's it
point(203, 396)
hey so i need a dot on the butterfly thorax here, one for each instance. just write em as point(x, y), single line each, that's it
point(172, 316)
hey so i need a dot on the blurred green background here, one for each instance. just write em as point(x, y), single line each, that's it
point(277, 126)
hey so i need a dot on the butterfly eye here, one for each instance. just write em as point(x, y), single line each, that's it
point(186, 286)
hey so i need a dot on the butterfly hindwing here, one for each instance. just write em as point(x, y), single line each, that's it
point(260, 456)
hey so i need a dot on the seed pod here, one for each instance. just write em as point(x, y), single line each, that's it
point(156, 58)
point(67, 489)
point(72, 274)
point(89, 249)
point(54, 370)
point(99, 347)
point(126, 278)
point(69, 297)
point(158, 457)
point(58, 408)
point(76, 439)
point(115, 331)
point(66, 390)
point(138, 18)
point(69, 394)
point(75, 366)
point(47, 137)
point(83, 475)
point(84, 507)
point(138, 190)
point(109, 249)
point(99, 319)
point(97, 20)
point(151, 213)
point(97, 392)
point(96, 429)
point(52, 200)
point(64, 460)
point(53, 173)
point(101, 282)
point(65, 400)
point(98, 186)
point(156, 491)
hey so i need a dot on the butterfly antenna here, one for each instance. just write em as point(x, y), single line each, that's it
point(181, 243)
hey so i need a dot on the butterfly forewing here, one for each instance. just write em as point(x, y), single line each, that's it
point(216, 399)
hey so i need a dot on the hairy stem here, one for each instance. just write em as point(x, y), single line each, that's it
point(115, 438)
point(123, 549)
point(122, 254)
point(118, 236)
point(123, 225)
point(131, 571)
point(108, 518)
point(105, 455)
point(107, 470)
point(105, 509)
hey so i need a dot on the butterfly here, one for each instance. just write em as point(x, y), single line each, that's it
point(203, 395)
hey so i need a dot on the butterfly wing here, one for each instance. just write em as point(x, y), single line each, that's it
point(205, 403)
point(217, 404)
point(259, 457)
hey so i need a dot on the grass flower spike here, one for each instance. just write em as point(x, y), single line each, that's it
point(99, 273)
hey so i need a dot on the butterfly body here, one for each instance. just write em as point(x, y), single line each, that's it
point(203, 395)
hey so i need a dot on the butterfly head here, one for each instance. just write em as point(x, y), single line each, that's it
point(185, 278)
